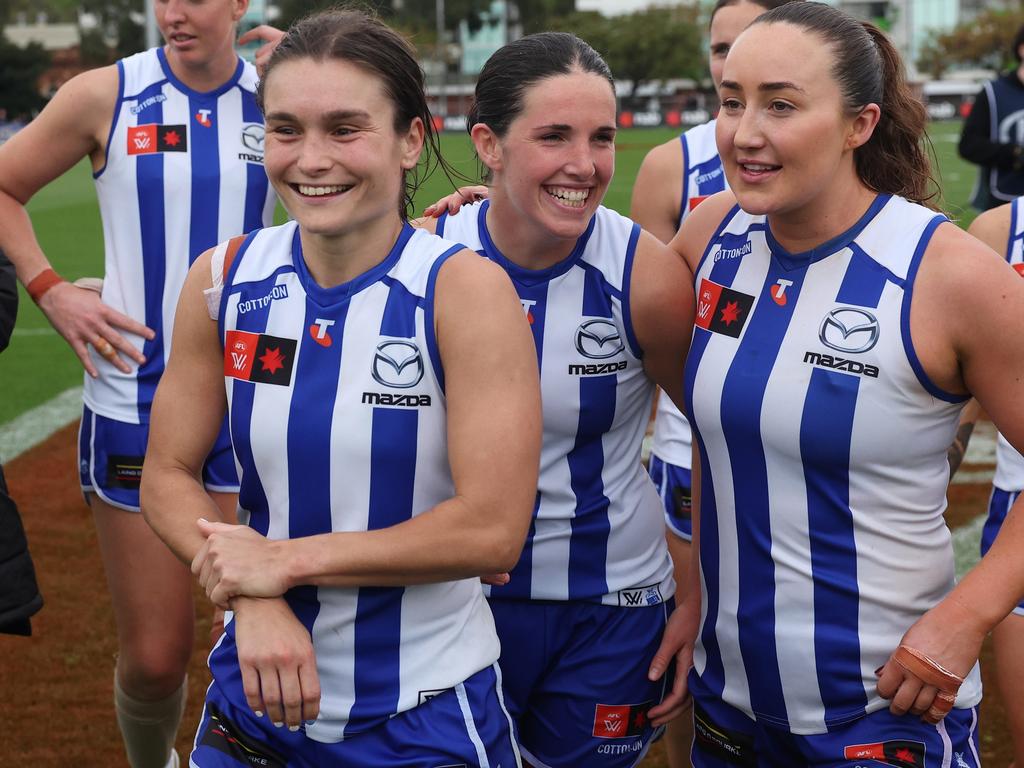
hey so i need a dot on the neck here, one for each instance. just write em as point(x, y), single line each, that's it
point(523, 243)
point(828, 216)
point(206, 77)
point(336, 259)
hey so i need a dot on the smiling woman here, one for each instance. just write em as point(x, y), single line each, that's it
point(361, 359)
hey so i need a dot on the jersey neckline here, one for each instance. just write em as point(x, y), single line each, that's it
point(792, 261)
point(232, 81)
point(522, 274)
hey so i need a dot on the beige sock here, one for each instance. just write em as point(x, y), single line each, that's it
point(148, 728)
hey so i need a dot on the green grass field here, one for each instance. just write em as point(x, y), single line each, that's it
point(39, 365)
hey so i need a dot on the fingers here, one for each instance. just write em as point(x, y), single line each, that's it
point(673, 705)
point(496, 579)
point(940, 706)
point(263, 32)
point(251, 686)
point(663, 657)
point(310, 682)
point(924, 700)
point(125, 323)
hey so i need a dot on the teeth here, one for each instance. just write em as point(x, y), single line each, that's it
point(755, 167)
point(575, 198)
point(305, 189)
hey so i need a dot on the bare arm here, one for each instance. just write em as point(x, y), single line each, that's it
point(72, 126)
point(658, 191)
point(489, 359)
point(662, 304)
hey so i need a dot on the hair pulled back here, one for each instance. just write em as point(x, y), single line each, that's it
point(515, 68)
point(868, 70)
point(766, 4)
point(360, 38)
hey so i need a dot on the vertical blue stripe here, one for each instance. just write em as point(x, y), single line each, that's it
point(256, 177)
point(826, 430)
point(204, 155)
point(149, 184)
point(588, 544)
point(864, 280)
point(742, 399)
point(684, 200)
point(378, 626)
point(429, 321)
point(521, 576)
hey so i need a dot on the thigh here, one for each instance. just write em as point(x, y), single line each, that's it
point(882, 738)
point(590, 707)
point(110, 456)
point(525, 630)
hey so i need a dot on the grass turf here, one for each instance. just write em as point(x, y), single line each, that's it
point(39, 364)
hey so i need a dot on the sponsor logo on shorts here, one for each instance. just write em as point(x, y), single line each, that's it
point(251, 305)
point(124, 471)
point(226, 737)
point(620, 721)
point(722, 310)
point(259, 357)
point(151, 138)
point(713, 740)
point(898, 752)
point(620, 749)
point(641, 596)
point(425, 696)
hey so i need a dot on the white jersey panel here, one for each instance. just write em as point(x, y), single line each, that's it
point(1009, 463)
point(597, 533)
point(822, 536)
point(338, 418)
point(178, 179)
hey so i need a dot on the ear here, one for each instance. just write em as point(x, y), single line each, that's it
point(863, 126)
point(239, 7)
point(487, 145)
point(412, 143)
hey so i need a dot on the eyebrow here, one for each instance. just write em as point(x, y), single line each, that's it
point(563, 127)
point(334, 116)
point(781, 85)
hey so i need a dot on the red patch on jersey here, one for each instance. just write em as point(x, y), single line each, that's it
point(150, 138)
point(695, 201)
point(899, 753)
point(275, 355)
point(1019, 268)
point(618, 721)
point(721, 309)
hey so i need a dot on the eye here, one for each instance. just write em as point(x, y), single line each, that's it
point(283, 130)
point(551, 137)
point(731, 104)
point(605, 138)
point(780, 107)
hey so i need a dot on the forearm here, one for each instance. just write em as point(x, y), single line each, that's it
point(18, 239)
point(172, 500)
point(454, 540)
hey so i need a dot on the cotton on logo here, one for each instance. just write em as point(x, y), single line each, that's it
point(778, 291)
point(318, 330)
point(203, 117)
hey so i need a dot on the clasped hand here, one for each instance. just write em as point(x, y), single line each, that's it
point(236, 560)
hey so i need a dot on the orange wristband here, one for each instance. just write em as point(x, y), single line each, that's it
point(41, 283)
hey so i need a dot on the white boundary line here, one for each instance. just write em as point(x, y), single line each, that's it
point(37, 424)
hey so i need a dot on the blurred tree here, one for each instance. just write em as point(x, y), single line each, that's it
point(20, 68)
point(983, 42)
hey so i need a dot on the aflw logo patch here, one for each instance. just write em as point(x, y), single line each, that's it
point(148, 139)
point(259, 357)
point(721, 309)
point(619, 721)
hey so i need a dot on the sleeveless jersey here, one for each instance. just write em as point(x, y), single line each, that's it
point(1009, 474)
point(823, 466)
point(184, 171)
point(703, 176)
point(597, 533)
point(337, 413)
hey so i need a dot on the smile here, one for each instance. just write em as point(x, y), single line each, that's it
point(308, 190)
point(759, 167)
point(574, 198)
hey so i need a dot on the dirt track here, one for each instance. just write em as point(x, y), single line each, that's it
point(55, 687)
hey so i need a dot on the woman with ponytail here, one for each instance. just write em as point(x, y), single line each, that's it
point(842, 323)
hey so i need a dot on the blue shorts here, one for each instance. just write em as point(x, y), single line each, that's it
point(110, 455)
point(998, 506)
point(724, 737)
point(673, 484)
point(575, 680)
point(459, 728)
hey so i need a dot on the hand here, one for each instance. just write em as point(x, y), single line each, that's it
point(275, 655)
point(933, 637)
point(453, 202)
point(677, 642)
point(82, 318)
point(496, 579)
point(235, 560)
point(271, 37)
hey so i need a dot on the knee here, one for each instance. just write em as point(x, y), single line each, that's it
point(152, 673)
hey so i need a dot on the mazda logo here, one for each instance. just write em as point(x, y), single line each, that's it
point(397, 364)
point(848, 329)
point(253, 136)
point(598, 339)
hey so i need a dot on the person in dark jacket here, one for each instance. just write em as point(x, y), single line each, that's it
point(993, 136)
point(19, 594)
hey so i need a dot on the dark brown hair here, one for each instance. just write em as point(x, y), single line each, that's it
point(357, 36)
point(869, 70)
point(766, 4)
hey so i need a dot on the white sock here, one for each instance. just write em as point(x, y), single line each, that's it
point(148, 728)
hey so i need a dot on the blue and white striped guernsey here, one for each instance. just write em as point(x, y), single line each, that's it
point(703, 176)
point(823, 466)
point(598, 530)
point(1009, 463)
point(184, 171)
point(338, 420)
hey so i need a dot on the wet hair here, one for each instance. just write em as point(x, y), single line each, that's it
point(515, 68)
point(869, 70)
point(1018, 41)
point(766, 4)
point(360, 38)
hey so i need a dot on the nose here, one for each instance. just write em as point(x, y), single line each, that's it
point(747, 131)
point(174, 11)
point(580, 162)
point(313, 158)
